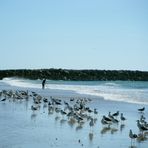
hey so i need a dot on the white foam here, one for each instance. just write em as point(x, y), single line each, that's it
point(20, 83)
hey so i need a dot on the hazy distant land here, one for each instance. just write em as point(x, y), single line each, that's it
point(76, 75)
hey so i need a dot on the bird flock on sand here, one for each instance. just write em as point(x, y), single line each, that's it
point(76, 111)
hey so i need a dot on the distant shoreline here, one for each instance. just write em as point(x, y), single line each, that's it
point(76, 75)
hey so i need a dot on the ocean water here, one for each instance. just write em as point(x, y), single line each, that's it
point(126, 91)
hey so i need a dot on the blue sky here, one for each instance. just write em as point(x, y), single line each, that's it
point(74, 34)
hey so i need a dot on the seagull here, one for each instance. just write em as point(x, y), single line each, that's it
point(132, 136)
point(141, 126)
point(34, 108)
point(4, 99)
point(142, 119)
point(122, 117)
point(112, 118)
point(95, 111)
point(45, 100)
point(141, 109)
point(104, 122)
point(107, 119)
point(116, 114)
point(62, 112)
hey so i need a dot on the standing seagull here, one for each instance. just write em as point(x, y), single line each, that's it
point(132, 136)
point(95, 111)
point(122, 117)
point(141, 126)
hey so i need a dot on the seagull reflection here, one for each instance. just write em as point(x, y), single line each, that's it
point(122, 126)
point(108, 128)
point(33, 116)
point(50, 110)
point(44, 106)
point(79, 127)
point(91, 135)
point(132, 146)
point(105, 129)
point(57, 118)
point(71, 122)
point(113, 130)
point(62, 121)
point(142, 136)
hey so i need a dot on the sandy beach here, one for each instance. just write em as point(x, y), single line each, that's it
point(26, 123)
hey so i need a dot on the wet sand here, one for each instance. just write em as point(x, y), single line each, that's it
point(22, 127)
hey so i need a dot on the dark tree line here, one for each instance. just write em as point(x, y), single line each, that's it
point(83, 75)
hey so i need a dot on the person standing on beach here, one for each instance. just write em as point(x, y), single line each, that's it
point(43, 83)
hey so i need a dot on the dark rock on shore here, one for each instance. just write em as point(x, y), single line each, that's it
point(76, 75)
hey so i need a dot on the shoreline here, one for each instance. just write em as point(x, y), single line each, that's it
point(69, 93)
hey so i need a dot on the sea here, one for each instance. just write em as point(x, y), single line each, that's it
point(123, 91)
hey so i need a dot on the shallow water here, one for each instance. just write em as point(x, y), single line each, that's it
point(20, 127)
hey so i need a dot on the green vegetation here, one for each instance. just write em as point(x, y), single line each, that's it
point(83, 75)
